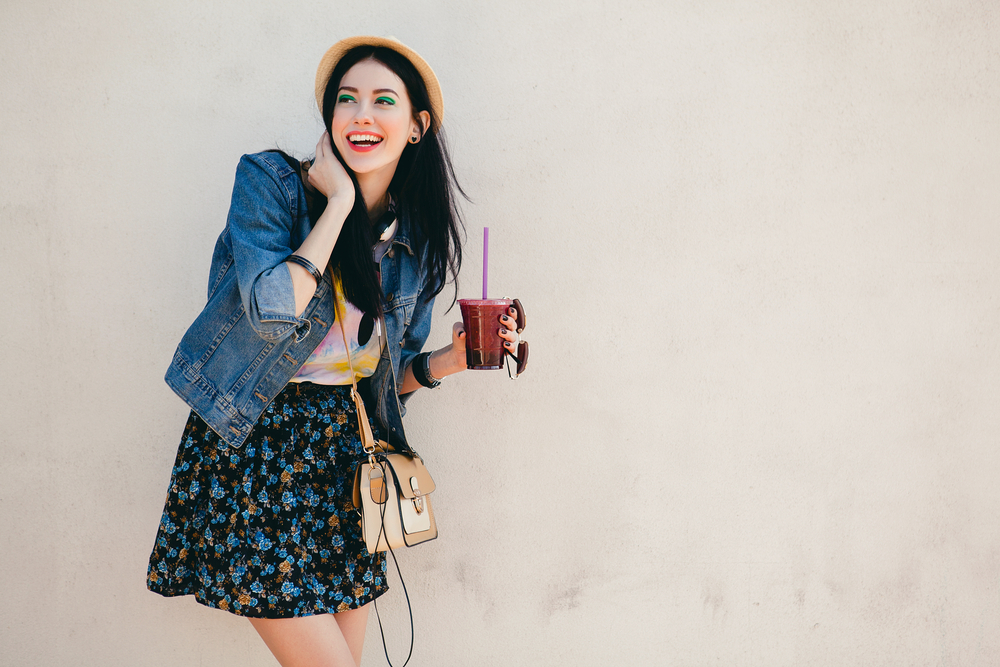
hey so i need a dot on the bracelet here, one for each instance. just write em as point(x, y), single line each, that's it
point(421, 365)
point(307, 265)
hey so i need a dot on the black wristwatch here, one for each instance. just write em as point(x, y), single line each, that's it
point(422, 370)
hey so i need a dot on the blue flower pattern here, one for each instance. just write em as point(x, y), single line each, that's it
point(269, 531)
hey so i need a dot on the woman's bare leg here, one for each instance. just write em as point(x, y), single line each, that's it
point(353, 625)
point(323, 640)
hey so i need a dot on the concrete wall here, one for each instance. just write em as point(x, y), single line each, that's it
point(758, 243)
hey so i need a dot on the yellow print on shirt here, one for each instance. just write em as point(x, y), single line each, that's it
point(328, 364)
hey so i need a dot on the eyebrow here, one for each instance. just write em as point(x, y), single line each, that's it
point(377, 90)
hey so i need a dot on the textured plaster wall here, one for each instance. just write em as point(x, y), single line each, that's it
point(758, 243)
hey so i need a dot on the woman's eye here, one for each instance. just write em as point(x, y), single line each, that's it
point(385, 100)
point(345, 98)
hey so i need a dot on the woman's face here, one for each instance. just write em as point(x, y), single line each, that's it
point(372, 119)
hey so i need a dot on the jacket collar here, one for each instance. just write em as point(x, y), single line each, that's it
point(402, 236)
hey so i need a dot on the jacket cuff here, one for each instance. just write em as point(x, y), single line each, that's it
point(272, 307)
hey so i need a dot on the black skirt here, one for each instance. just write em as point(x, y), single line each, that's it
point(269, 530)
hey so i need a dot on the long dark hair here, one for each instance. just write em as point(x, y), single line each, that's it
point(423, 186)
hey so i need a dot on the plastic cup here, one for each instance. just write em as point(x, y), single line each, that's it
point(483, 345)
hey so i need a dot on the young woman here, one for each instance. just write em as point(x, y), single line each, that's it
point(259, 518)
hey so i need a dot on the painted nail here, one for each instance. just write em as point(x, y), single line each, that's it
point(503, 331)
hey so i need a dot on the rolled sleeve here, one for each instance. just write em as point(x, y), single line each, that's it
point(260, 228)
point(417, 332)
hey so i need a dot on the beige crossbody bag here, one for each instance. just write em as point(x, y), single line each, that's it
point(391, 489)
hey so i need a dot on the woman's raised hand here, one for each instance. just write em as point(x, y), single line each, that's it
point(327, 175)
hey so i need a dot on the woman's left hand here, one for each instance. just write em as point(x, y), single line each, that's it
point(455, 353)
point(506, 328)
point(451, 359)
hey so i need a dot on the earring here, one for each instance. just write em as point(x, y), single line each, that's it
point(415, 138)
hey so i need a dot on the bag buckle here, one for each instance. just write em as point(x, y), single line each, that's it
point(377, 485)
point(418, 498)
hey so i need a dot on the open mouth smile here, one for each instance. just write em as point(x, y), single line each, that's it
point(363, 141)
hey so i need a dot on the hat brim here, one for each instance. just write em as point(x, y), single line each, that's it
point(337, 51)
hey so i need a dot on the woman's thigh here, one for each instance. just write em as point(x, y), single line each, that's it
point(334, 640)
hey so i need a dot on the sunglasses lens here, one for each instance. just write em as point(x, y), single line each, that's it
point(522, 319)
point(522, 357)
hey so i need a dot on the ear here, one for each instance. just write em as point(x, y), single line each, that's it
point(425, 121)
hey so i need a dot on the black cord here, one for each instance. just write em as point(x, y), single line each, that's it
point(385, 649)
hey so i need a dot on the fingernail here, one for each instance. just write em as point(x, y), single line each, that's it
point(503, 331)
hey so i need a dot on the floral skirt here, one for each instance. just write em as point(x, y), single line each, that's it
point(269, 530)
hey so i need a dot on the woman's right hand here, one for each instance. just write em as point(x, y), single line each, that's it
point(327, 175)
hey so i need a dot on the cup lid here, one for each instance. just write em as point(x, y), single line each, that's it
point(485, 302)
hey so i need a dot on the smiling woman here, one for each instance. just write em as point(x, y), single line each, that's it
point(259, 517)
point(372, 123)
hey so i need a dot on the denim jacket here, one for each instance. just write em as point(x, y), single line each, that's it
point(247, 343)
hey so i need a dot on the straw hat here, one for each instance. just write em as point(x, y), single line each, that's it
point(337, 51)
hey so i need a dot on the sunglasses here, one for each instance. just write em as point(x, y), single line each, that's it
point(521, 358)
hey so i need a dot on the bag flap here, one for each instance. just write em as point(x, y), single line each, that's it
point(405, 467)
point(381, 447)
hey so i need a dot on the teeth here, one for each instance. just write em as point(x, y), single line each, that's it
point(365, 138)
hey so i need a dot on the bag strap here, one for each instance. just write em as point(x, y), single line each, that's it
point(409, 610)
point(365, 429)
point(368, 442)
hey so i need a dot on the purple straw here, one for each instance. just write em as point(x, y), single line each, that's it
point(486, 258)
